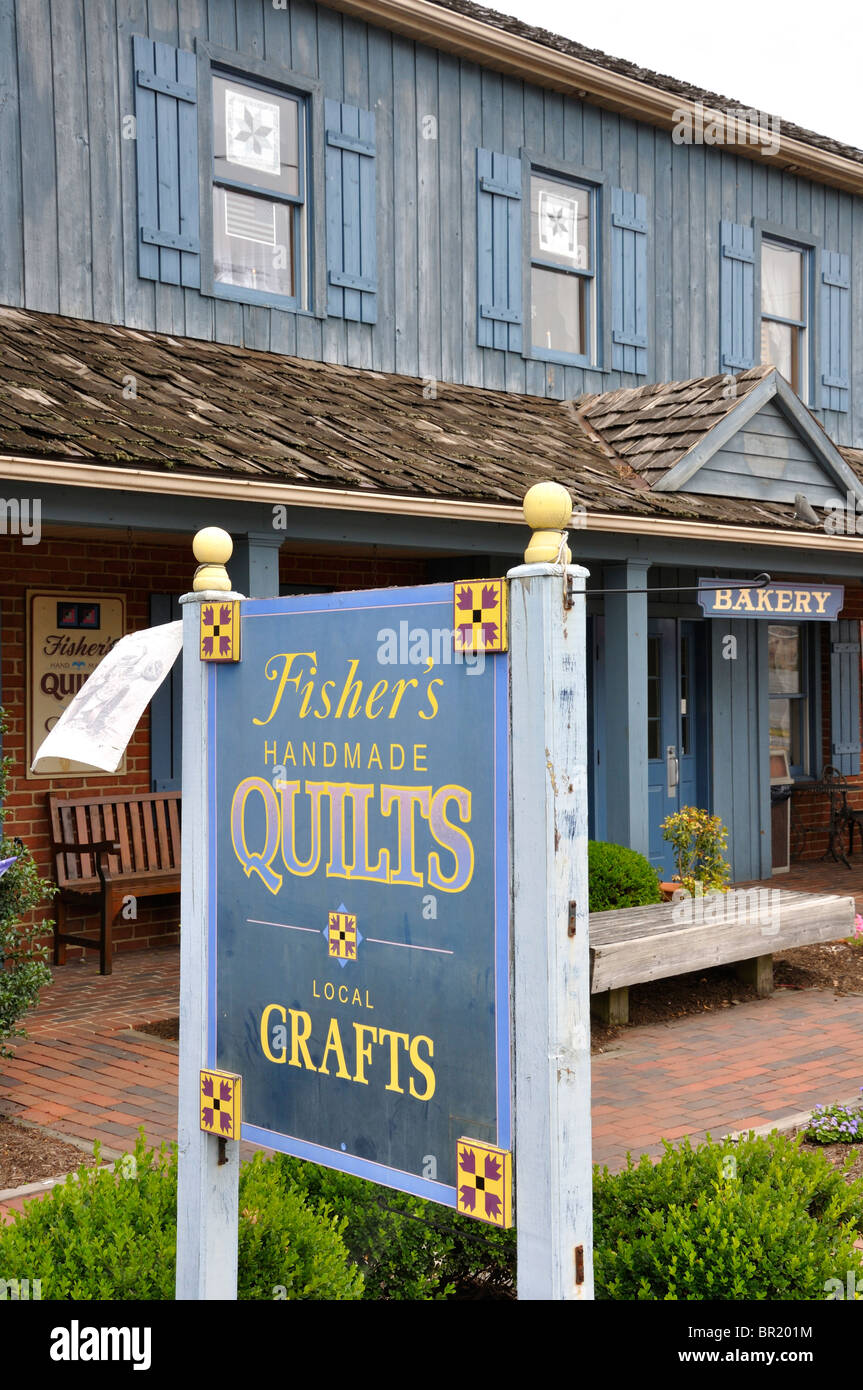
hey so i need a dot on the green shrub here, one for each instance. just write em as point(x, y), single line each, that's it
point(761, 1219)
point(111, 1234)
point(407, 1248)
point(619, 877)
point(23, 968)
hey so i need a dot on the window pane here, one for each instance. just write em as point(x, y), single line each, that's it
point(787, 730)
point(780, 348)
point(653, 698)
point(685, 711)
point(560, 223)
point(253, 242)
point(781, 281)
point(784, 664)
point(559, 311)
point(256, 136)
point(780, 726)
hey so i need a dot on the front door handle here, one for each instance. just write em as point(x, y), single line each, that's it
point(672, 769)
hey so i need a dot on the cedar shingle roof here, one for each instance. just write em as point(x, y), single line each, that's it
point(652, 427)
point(511, 25)
point(222, 410)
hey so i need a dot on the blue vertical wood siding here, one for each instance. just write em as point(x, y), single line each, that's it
point(166, 717)
point(740, 743)
point(442, 250)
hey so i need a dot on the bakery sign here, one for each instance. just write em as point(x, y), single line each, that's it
point(67, 636)
point(793, 602)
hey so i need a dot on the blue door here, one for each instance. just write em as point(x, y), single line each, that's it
point(675, 726)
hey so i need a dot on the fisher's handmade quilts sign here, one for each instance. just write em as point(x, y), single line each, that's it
point(357, 764)
point(68, 634)
point(793, 602)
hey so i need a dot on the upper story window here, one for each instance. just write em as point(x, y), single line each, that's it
point(259, 198)
point(562, 268)
point(785, 312)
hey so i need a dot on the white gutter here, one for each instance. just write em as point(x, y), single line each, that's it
point(62, 473)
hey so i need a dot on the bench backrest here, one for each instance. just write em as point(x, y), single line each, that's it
point(146, 827)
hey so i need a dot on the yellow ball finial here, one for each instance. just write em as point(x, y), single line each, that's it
point(547, 511)
point(212, 547)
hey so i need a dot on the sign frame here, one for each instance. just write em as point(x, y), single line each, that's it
point(398, 603)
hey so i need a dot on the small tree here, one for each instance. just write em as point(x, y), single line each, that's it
point(699, 841)
point(23, 967)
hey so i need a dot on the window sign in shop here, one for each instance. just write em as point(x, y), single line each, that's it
point(67, 637)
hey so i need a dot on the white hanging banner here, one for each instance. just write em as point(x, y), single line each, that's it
point(97, 725)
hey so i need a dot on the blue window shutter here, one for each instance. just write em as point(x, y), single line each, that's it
point(835, 290)
point(166, 709)
point(736, 297)
point(166, 118)
point(629, 282)
point(845, 696)
point(349, 172)
point(498, 251)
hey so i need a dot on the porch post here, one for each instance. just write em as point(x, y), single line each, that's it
point(627, 818)
point(255, 563)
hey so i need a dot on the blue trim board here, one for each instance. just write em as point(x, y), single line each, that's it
point(437, 601)
point(346, 1163)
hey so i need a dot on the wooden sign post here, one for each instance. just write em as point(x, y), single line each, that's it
point(548, 731)
point(209, 1164)
point(379, 797)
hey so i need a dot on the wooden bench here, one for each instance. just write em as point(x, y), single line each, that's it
point(631, 945)
point(107, 848)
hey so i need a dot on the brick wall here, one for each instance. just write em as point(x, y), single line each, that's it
point(76, 567)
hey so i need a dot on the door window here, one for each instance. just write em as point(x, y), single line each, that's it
point(654, 700)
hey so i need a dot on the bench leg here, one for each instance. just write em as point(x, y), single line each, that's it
point(59, 929)
point(110, 906)
point(758, 972)
point(611, 1007)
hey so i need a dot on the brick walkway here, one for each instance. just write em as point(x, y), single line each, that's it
point(82, 1073)
point(819, 876)
point(738, 1068)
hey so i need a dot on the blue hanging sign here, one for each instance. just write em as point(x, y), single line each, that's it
point(813, 603)
point(359, 884)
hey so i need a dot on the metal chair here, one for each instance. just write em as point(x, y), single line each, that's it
point(841, 814)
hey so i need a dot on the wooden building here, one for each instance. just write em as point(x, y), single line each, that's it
point(346, 279)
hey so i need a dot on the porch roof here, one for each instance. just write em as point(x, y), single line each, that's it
point(104, 395)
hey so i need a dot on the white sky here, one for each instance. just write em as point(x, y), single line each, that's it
point(801, 62)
